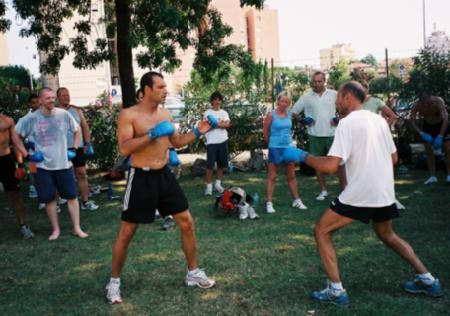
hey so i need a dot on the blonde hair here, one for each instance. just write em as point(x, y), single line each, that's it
point(283, 94)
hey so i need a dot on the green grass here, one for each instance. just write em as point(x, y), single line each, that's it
point(263, 267)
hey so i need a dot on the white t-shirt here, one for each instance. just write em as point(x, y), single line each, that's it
point(322, 108)
point(217, 135)
point(364, 143)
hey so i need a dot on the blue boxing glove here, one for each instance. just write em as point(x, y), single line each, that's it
point(292, 154)
point(89, 150)
point(308, 121)
point(71, 153)
point(29, 145)
point(37, 156)
point(212, 120)
point(334, 121)
point(437, 144)
point(173, 158)
point(426, 137)
point(165, 128)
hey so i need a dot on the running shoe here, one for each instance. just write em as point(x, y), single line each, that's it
point(26, 232)
point(218, 187)
point(430, 180)
point(113, 293)
point(297, 203)
point(32, 193)
point(89, 206)
point(168, 223)
point(322, 195)
point(419, 285)
point(269, 208)
point(199, 278)
point(330, 295)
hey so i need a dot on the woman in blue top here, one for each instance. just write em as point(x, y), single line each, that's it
point(278, 134)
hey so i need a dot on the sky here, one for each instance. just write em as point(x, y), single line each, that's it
point(306, 26)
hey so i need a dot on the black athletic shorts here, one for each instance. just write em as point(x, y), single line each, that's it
point(435, 129)
point(365, 214)
point(217, 153)
point(80, 159)
point(148, 191)
point(7, 170)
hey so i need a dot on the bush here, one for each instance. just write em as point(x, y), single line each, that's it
point(13, 100)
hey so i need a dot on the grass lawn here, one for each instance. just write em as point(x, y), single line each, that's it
point(263, 267)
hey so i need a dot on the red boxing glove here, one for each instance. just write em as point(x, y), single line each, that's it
point(20, 172)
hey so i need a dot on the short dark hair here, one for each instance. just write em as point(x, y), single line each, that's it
point(318, 72)
point(44, 89)
point(216, 95)
point(60, 89)
point(355, 89)
point(32, 97)
point(147, 79)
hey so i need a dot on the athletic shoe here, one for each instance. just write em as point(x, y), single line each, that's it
point(61, 201)
point(218, 187)
point(269, 208)
point(113, 293)
point(399, 205)
point(41, 206)
point(32, 194)
point(199, 278)
point(419, 286)
point(430, 180)
point(26, 232)
point(208, 190)
point(157, 215)
point(297, 203)
point(168, 223)
point(322, 195)
point(89, 206)
point(252, 213)
point(243, 211)
point(330, 295)
point(58, 208)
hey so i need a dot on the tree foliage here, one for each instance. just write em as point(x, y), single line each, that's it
point(370, 60)
point(339, 73)
point(17, 75)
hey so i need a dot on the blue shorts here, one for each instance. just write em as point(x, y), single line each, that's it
point(276, 156)
point(50, 181)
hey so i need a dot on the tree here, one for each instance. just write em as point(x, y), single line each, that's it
point(17, 75)
point(370, 60)
point(159, 26)
point(339, 73)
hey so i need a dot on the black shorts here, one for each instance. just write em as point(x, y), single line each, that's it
point(435, 129)
point(365, 214)
point(148, 191)
point(217, 153)
point(7, 173)
point(80, 159)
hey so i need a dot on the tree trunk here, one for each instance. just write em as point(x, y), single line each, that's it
point(124, 51)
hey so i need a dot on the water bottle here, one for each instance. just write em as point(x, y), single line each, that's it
point(255, 202)
point(230, 167)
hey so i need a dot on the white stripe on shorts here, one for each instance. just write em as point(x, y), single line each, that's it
point(126, 198)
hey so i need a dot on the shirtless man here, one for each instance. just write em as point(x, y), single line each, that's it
point(435, 131)
point(146, 133)
point(9, 175)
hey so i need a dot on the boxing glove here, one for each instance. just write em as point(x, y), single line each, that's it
point(89, 150)
point(292, 154)
point(308, 121)
point(165, 128)
point(173, 158)
point(37, 156)
point(71, 153)
point(334, 121)
point(212, 120)
point(437, 144)
point(426, 137)
point(20, 172)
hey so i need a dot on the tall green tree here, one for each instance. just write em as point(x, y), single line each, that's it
point(339, 73)
point(370, 60)
point(159, 26)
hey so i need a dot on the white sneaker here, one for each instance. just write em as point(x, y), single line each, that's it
point(269, 208)
point(62, 201)
point(252, 213)
point(113, 293)
point(41, 206)
point(26, 232)
point(243, 211)
point(199, 278)
point(32, 194)
point(322, 195)
point(399, 205)
point(89, 206)
point(297, 203)
point(430, 180)
point(218, 187)
point(208, 190)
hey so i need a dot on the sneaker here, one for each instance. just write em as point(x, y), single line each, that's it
point(32, 194)
point(208, 190)
point(199, 278)
point(89, 206)
point(26, 232)
point(252, 213)
point(157, 215)
point(419, 286)
point(322, 195)
point(243, 211)
point(269, 208)
point(61, 201)
point(399, 205)
point(330, 295)
point(218, 187)
point(113, 293)
point(430, 180)
point(168, 223)
point(41, 206)
point(297, 203)
point(58, 208)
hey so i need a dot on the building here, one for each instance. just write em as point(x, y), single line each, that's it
point(331, 56)
point(439, 42)
point(256, 30)
point(4, 58)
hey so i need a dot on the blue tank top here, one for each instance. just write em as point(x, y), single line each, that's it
point(280, 131)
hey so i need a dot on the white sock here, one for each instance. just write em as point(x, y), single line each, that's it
point(115, 280)
point(269, 204)
point(336, 286)
point(426, 277)
point(218, 182)
point(191, 272)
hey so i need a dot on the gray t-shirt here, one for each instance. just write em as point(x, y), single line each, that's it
point(77, 118)
point(49, 134)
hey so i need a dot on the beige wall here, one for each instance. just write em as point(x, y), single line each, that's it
point(4, 59)
point(330, 56)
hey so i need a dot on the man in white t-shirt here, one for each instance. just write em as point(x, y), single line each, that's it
point(216, 143)
point(364, 143)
